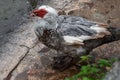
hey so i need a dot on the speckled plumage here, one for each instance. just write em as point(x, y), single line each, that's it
point(70, 34)
point(68, 26)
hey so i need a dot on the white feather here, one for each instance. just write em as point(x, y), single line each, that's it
point(98, 29)
point(49, 9)
point(84, 37)
point(72, 39)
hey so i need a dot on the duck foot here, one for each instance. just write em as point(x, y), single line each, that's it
point(62, 62)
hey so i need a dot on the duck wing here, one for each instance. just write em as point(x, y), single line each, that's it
point(75, 30)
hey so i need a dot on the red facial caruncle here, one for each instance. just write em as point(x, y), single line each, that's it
point(40, 13)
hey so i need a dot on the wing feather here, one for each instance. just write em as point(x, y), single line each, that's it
point(77, 30)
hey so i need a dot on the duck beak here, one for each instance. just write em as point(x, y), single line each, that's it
point(32, 14)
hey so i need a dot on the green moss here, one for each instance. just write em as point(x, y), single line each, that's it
point(92, 71)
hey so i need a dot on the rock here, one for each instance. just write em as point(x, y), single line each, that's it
point(12, 14)
point(102, 11)
point(10, 56)
point(37, 66)
point(109, 50)
point(14, 47)
point(114, 74)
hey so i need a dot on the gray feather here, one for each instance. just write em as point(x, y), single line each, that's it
point(76, 26)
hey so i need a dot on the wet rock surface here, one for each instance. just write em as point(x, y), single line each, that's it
point(20, 59)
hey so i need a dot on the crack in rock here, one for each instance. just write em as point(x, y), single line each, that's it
point(10, 73)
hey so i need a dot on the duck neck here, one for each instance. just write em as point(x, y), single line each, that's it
point(52, 20)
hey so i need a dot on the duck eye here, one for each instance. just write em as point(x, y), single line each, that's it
point(36, 13)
